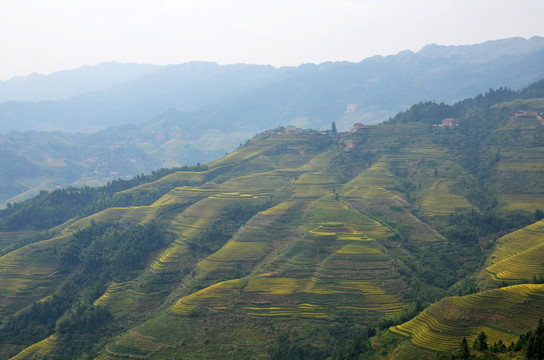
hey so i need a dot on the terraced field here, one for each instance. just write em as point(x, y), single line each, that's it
point(40, 349)
point(521, 166)
point(119, 297)
point(268, 147)
point(123, 215)
point(312, 185)
point(324, 213)
point(252, 294)
point(29, 273)
point(527, 202)
point(319, 162)
point(518, 255)
point(330, 248)
point(10, 237)
point(191, 222)
point(286, 286)
point(441, 201)
point(501, 313)
point(373, 183)
point(233, 255)
point(179, 178)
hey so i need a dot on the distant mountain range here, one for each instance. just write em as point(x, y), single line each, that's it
point(132, 118)
point(94, 98)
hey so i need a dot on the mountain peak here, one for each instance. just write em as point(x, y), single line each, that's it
point(487, 50)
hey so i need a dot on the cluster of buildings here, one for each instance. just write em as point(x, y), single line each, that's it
point(523, 113)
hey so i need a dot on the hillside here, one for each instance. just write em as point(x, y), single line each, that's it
point(137, 118)
point(298, 244)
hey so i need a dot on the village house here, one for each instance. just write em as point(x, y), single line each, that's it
point(449, 122)
point(290, 129)
point(349, 144)
point(358, 127)
point(523, 113)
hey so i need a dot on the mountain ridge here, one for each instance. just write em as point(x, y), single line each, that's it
point(373, 78)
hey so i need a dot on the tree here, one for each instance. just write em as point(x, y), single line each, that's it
point(464, 352)
point(480, 343)
point(333, 126)
point(539, 214)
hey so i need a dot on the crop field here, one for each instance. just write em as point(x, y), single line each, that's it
point(184, 195)
point(417, 153)
point(258, 183)
point(166, 337)
point(294, 297)
point(370, 248)
point(170, 256)
point(179, 177)
point(195, 220)
point(315, 185)
point(276, 286)
point(197, 217)
point(254, 149)
point(432, 152)
point(131, 345)
point(28, 273)
point(521, 166)
point(299, 310)
point(316, 179)
point(31, 261)
point(519, 255)
point(291, 161)
point(360, 295)
point(281, 208)
point(351, 221)
point(371, 183)
point(37, 350)
point(519, 153)
point(522, 265)
point(127, 215)
point(243, 153)
point(502, 313)
point(233, 254)
point(218, 296)
point(119, 297)
point(527, 202)
point(355, 262)
point(519, 240)
point(7, 238)
point(312, 191)
point(319, 162)
point(440, 201)
point(337, 242)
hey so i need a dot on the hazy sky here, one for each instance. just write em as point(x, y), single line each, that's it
point(51, 35)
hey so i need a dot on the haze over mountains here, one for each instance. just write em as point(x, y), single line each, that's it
point(94, 98)
point(152, 116)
